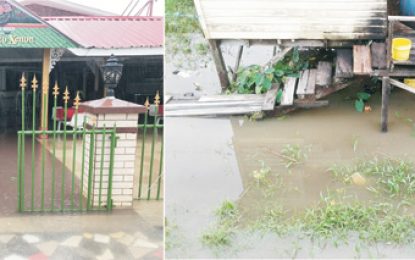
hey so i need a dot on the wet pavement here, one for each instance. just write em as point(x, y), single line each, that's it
point(123, 234)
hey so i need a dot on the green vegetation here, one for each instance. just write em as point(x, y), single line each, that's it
point(227, 220)
point(181, 17)
point(294, 154)
point(185, 45)
point(359, 103)
point(257, 79)
point(375, 223)
point(168, 230)
point(272, 220)
point(396, 177)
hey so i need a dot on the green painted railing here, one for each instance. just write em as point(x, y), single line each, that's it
point(151, 171)
point(47, 183)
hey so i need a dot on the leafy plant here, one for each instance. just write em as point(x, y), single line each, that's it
point(359, 103)
point(257, 79)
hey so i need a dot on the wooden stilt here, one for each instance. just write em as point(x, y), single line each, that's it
point(219, 63)
point(44, 122)
point(385, 103)
point(238, 62)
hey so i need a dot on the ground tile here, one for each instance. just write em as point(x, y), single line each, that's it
point(31, 239)
point(15, 257)
point(145, 244)
point(117, 235)
point(103, 239)
point(88, 235)
point(139, 253)
point(107, 255)
point(48, 248)
point(126, 240)
point(6, 238)
point(73, 241)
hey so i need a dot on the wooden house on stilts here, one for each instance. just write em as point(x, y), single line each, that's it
point(360, 32)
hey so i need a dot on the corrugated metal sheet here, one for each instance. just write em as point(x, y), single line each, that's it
point(111, 32)
point(294, 19)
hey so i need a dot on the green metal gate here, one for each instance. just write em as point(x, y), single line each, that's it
point(57, 171)
point(151, 158)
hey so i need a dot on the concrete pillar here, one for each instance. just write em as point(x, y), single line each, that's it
point(124, 115)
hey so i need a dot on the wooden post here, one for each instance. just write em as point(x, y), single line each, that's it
point(45, 90)
point(385, 103)
point(219, 63)
point(238, 62)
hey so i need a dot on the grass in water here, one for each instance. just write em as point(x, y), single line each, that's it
point(396, 177)
point(373, 223)
point(273, 220)
point(293, 154)
point(221, 233)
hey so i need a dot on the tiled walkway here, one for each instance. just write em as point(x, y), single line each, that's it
point(124, 234)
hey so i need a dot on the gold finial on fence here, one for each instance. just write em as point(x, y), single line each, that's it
point(34, 83)
point(157, 99)
point(23, 82)
point(66, 95)
point(77, 100)
point(147, 103)
point(56, 89)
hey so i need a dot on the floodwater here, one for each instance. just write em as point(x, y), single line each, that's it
point(213, 159)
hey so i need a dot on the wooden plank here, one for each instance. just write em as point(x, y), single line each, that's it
point(324, 73)
point(233, 97)
point(362, 61)
point(237, 62)
point(288, 92)
point(219, 63)
point(379, 59)
point(167, 98)
point(297, 19)
point(302, 83)
point(215, 111)
point(320, 93)
point(402, 85)
point(207, 105)
point(279, 56)
point(344, 63)
point(385, 104)
point(311, 86)
point(270, 98)
point(307, 83)
point(307, 104)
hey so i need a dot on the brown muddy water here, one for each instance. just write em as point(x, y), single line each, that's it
point(210, 160)
point(333, 135)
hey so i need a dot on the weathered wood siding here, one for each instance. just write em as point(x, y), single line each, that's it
point(293, 19)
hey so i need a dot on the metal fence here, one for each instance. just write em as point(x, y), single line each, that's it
point(49, 181)
point(151, 153)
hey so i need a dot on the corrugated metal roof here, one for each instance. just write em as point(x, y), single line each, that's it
point(67, 6)
point(114, 32)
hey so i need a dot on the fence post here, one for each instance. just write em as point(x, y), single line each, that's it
point(107, 113)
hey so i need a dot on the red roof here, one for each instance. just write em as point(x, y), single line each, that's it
point(111, 32)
